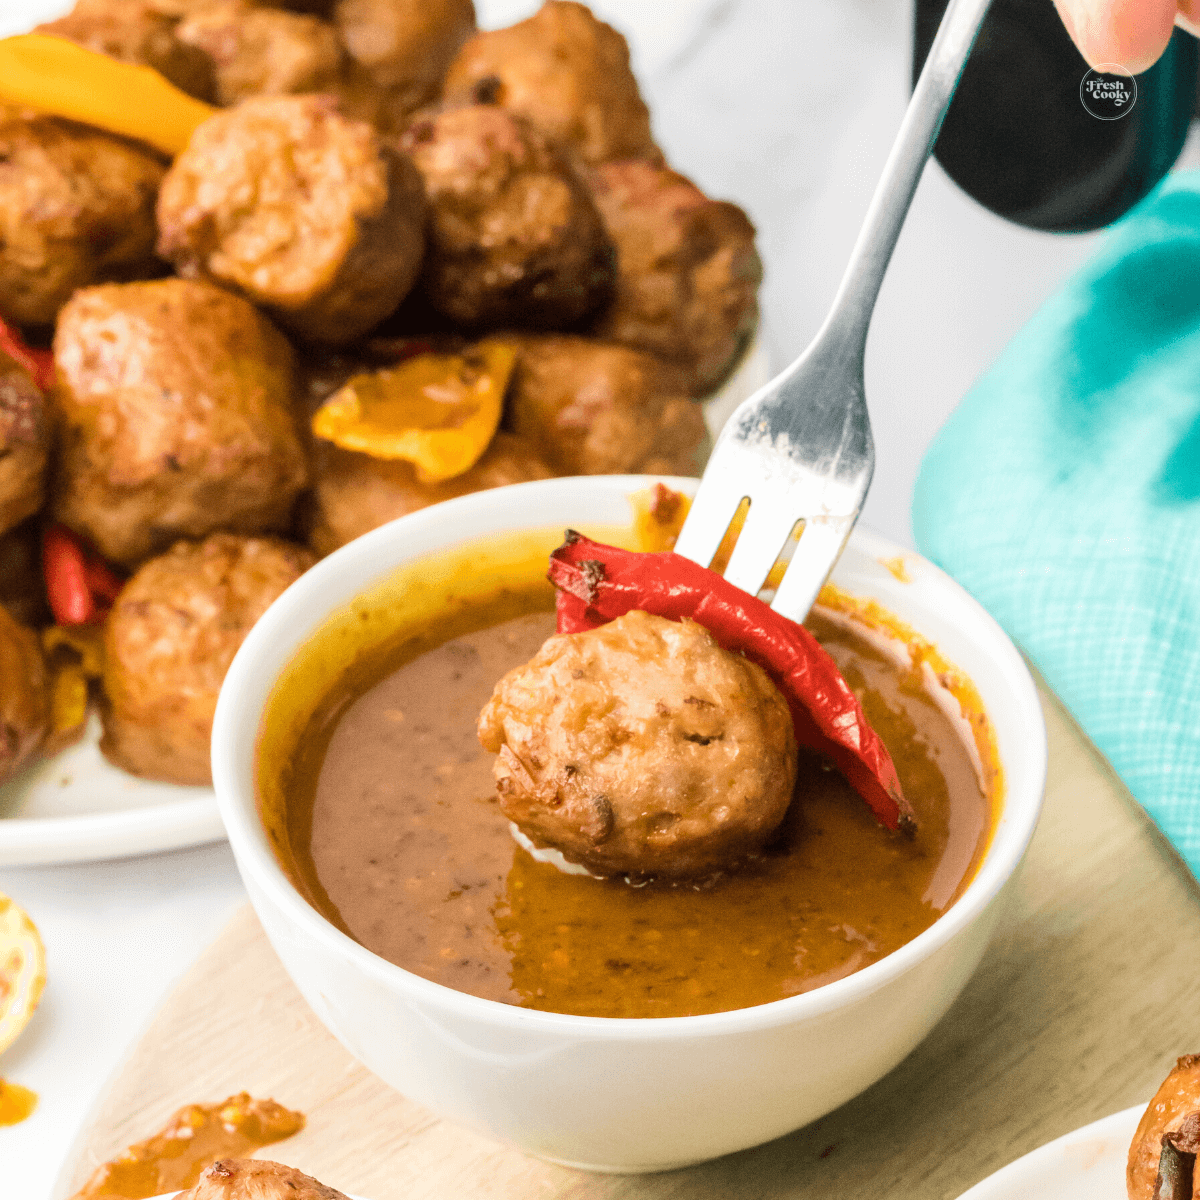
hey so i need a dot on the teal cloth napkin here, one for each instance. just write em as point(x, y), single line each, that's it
point(1064, 493)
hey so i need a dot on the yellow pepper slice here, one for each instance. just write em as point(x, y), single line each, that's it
point(75, 656)
point(58, 77)
point(436, 411)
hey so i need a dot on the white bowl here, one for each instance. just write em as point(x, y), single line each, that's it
point(604, 1093)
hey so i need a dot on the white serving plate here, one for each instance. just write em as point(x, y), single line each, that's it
point(1088, 1164)
point(77, 807)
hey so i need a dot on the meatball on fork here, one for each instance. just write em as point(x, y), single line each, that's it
point(642, 747)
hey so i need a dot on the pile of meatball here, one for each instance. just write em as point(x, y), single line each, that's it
point(377, 175)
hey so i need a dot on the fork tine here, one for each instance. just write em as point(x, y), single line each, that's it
point(820, 547)
point(768, 524)
point(712, 510)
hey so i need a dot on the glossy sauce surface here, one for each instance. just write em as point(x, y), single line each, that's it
point(16, 1103)
point(397, 838)
point(194, 1138)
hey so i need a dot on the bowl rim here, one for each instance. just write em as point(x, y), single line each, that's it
point(291, 611)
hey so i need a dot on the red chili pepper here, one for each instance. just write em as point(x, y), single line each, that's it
point(102, 582)
point(80, 585)
point(598, 583)
point(65, 571)
point(39, 363)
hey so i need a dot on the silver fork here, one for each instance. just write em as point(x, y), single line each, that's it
point(800, 450)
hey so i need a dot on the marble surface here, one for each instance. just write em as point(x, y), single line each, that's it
point(789, 107)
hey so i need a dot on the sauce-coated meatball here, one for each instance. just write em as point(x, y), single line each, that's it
point(354, 493)
point(76, 208)
point(643, 748)
point(302, 211)
point(137, 31)
point(592, 408)
point(687, 269)
point(1174, 1110)
point(257, 1179)
point(514, 236)
point(568, 73)
point(264, 51)
point(400, 49)
point(24, 703)
point(175, 406)
point(169, 640)
point(24, 444)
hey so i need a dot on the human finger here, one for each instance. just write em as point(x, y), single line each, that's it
point(1130, 33)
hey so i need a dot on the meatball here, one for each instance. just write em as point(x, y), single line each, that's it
point(264, 51)
point(687, 269)
point(401, 49)
point(514, 235)
point(137, 31)
point(24, 699)
point(568, 73)
point(175, 412)
point(169, 640)
point(354, 493)
point(24, 444)
point(76, 208)
point(257, 1179)
point(590, 408)
point(642, 747)
point(1175, 1112)
point(302, 211)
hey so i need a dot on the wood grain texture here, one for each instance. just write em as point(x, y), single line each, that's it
point(1085, 998)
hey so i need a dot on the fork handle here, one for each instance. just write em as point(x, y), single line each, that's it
point(850, 315)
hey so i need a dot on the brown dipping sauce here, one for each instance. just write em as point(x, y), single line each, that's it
point(396, 837)
point(194, 1138)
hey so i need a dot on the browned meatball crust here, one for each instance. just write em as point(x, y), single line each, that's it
point(24, 444)
point(687, 269)
point(24, 698)
point(175, 409)
point(76, 208)
point(1175, 1109)
point(592, 408)
point(300, 210)
point(568, 73)
point(137, 31)
point(264, 51)
point(400, 49)
point(257, 1179)
point(643, 748)
point(514, 237)
point(354, 493)
point(169, 640)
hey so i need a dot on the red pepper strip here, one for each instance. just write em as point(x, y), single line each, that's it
point(65, 571)
point(39, 363)
point(397, 350)
point(103, 583)
point(80, 585)
point(598, 583)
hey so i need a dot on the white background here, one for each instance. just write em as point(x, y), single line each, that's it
point(788, 107)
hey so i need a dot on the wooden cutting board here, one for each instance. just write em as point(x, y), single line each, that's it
point(1088, 993)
